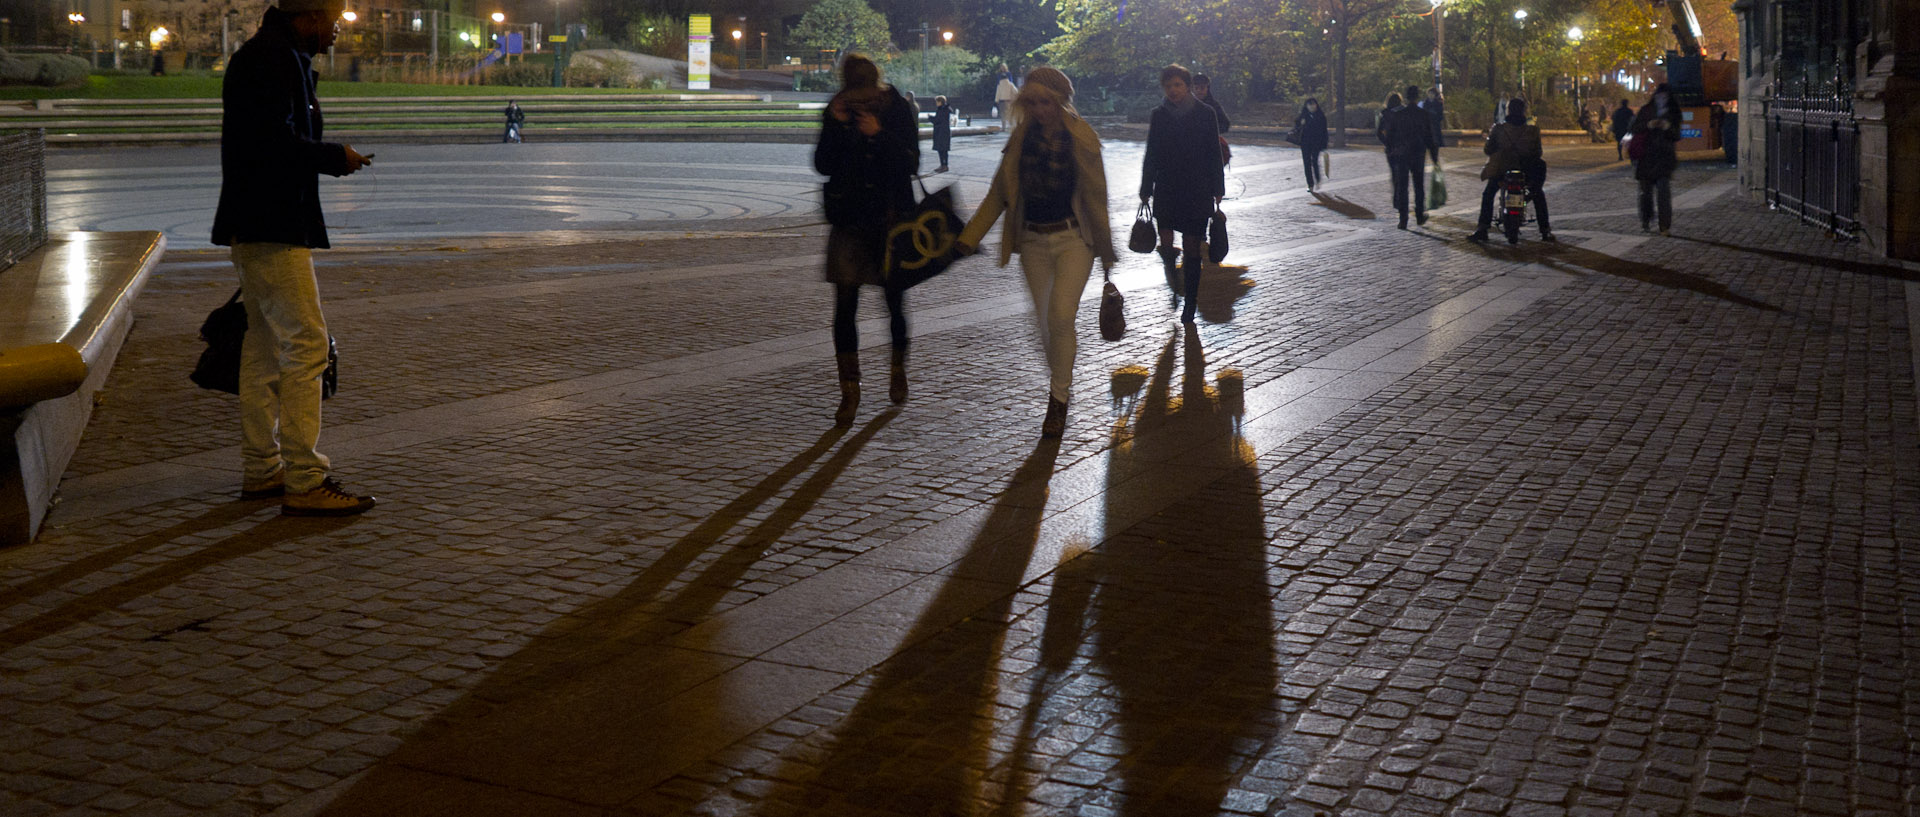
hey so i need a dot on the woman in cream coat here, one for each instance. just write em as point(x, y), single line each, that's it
point(1052, 188)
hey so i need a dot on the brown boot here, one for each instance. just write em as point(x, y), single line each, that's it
point(897, 382)
point(1056, 422)
point(849, 366)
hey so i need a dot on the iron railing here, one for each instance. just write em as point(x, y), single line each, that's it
point(1813, 160)
point(23, 194)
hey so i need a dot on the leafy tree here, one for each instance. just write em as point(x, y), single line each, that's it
point(1009, 31)
point(847, 25)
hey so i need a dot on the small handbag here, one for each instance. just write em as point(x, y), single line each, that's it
point(1113, 310)
point(1217, 238)
point(225, 333)
point(1144, 237)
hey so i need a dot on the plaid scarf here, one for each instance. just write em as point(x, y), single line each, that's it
point(1046, 163)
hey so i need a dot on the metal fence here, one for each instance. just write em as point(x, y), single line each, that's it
point(1813, 160)
point(23, 194)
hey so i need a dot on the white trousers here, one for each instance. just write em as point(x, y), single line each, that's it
point(280, 365)
point(1057, 267)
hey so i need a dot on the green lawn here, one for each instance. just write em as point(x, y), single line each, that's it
point(189, 86)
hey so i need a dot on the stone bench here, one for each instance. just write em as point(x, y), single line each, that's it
point(65, 308)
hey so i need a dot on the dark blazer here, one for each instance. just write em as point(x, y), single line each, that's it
point(1436, 110)
point(1661, 154)
point(1407, 133)
point(1183, 157)
point(869, 178)
point(1312, 129)
point(1622, 121)
point(270, 149)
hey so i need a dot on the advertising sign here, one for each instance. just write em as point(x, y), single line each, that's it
point(699, 52)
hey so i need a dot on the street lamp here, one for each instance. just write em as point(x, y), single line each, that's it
point(1520, 16)
point(1575, 35)
point(74, 18)
point(1439, 40)
point(739, 51)
point(349, 16)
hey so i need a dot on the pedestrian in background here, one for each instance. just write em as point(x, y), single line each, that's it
point(942, 131)
point(1203, 91)
point(1407, 134)
point(1182, 176)
point(1052, 187)
point(515, 117)
point(1658, 122)
point(1436, 108)
point(271, 158)
point(1514, 145)
point(1310, 127)
point(1730, 132)
point(869, 150)
point(1622, 125)
point(1004, 93)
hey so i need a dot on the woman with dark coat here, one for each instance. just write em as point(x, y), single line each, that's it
point(1310, 127)
point(1658, 122)
point(869, 150)
point(1183, 177)
point(942, 131)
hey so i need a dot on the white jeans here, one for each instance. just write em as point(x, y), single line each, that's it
point(280, 365)
point(1057, 267)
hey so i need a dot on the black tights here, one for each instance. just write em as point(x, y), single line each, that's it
point(1192, 250)
point(1312, 158)
point(846, 301)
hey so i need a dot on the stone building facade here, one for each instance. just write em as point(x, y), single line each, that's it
point(1830, 115)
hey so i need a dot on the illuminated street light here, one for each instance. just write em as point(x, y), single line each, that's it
point(158, 36)
point(1575, 34)
point(349, 16)
point(499, 18)
point(946, 37)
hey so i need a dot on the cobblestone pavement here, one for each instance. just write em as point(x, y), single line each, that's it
point(1404, 525)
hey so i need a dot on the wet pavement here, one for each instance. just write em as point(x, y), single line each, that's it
point(1404, 525)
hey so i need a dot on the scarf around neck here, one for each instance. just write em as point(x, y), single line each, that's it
point(1181, 108)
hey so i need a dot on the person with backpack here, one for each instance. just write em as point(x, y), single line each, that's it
point(1407, 133)
point(1052, 187)
point(869, 150)
point(1656, 136)
point(1184, 179)
point(1514, 145)
point(1310, 129)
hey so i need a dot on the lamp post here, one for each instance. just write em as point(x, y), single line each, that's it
point(739, 53)
point(1575, 35)
point(763, 49)
point(1439, 40)
point(1520, 16)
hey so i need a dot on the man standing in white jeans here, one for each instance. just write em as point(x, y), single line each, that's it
point(270, 160)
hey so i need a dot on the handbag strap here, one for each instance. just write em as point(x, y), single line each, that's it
point(236, 296)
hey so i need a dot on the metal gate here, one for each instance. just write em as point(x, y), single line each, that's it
point(23, 193)
point(1813, 160)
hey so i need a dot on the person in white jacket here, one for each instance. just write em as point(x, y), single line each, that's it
point(1004, 95)
point(1052, 188)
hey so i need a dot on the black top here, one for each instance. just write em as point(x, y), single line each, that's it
point(1622, 121)
point(271, 156)
point(869, 178)
point(1219, 113)
point(1311, 126)
point(1407, 133)
point(1183, 153)
point(1047, 177)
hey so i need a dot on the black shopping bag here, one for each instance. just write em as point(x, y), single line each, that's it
point(225, 333)
point(923, 244)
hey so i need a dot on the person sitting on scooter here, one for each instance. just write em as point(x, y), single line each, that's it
point(1514, 145)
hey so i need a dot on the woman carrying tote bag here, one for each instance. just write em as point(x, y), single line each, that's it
point(1052, 188)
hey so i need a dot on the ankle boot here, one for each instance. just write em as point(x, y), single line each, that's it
point(1056, 422)
point(849, 366)
point(897, 382)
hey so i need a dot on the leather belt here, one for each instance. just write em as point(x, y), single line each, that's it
point(1053, 226)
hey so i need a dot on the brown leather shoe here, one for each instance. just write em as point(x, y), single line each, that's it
point(327, 500)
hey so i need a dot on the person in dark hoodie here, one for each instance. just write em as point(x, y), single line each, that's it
point(1310, 127)
point(1514, 145)
point(1658, 122)
point(1182, 176)
point(1622, 125)
point(869, 150)
point(1407, 133)
point(271, 158)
